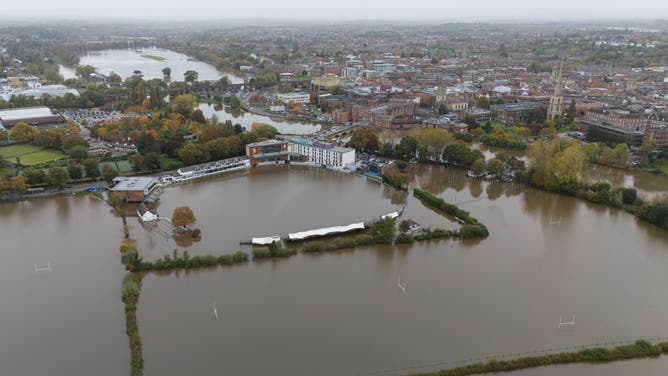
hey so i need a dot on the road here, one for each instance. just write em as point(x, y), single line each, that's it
point(52, 191)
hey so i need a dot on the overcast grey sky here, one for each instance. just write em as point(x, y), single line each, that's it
point(446, 10)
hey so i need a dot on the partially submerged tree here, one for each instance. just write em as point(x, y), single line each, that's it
point(183, 216)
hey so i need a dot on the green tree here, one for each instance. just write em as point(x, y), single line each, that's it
point(592, 152)
point(92, 167)
point(482, 102)
point(58, 177)
point(266, 75)
point(183, 216)
point(617, 156)
point(167, 72)
point(78, 153)
point(84, 71)
point(407, 147)
point(109, 173)
point(74, 171)
point(234, 102)
point(33, 176)
point(190, 76)
point(570, 112)
point(385, 230)
point(496, 168)
point(137, 161)
point(152, 162)
point(646, 149)
point(156, 97)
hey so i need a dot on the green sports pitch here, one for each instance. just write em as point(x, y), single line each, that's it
point(30, 155)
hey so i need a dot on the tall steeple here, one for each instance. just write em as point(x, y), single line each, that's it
point(556, 108)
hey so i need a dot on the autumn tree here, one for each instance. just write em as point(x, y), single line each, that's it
point(364, 139)
point(265, 131)
point(556, 168)
point(184, 104)
point(431, 142)
point(23, 132)
point(18, 184)
point(478, 167)
point(192, 154)
point(183, 216)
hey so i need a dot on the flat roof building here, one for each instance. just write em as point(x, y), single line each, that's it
point(630, 136)
point(267, 151)
point(38, 116)
point(134, 189)
point(322, 153)
point(301, 98)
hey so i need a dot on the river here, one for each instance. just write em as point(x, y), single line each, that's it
point(125, 62)
point(330, 314)
point(246, 120)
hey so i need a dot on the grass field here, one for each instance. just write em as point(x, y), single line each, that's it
point(663, 166)
point(29, 155)
point(154, 57)
point(122, 167)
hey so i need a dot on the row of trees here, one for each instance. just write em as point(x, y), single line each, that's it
point(556, 165)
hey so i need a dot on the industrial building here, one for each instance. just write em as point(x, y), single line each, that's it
point(37, 116)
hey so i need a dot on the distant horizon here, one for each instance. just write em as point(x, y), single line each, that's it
point(285, 20)
point(429, 11)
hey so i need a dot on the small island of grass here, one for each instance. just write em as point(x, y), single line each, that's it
point(154, 57)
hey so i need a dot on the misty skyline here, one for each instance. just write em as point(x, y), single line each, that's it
point(342, 10)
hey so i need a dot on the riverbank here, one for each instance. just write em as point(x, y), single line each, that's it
point(593, 355)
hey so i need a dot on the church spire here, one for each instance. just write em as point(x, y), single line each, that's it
point(556, 108)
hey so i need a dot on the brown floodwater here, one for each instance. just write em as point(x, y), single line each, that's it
point(264, 202)
point(338, 313)
point(69, 321)
point(647, 184)
point(343, 313)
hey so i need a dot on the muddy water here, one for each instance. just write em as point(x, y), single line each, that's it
point(342, 313)
point(69, 321)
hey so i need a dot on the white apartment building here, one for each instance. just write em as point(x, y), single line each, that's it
point(296, 97)
point(322, 153)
